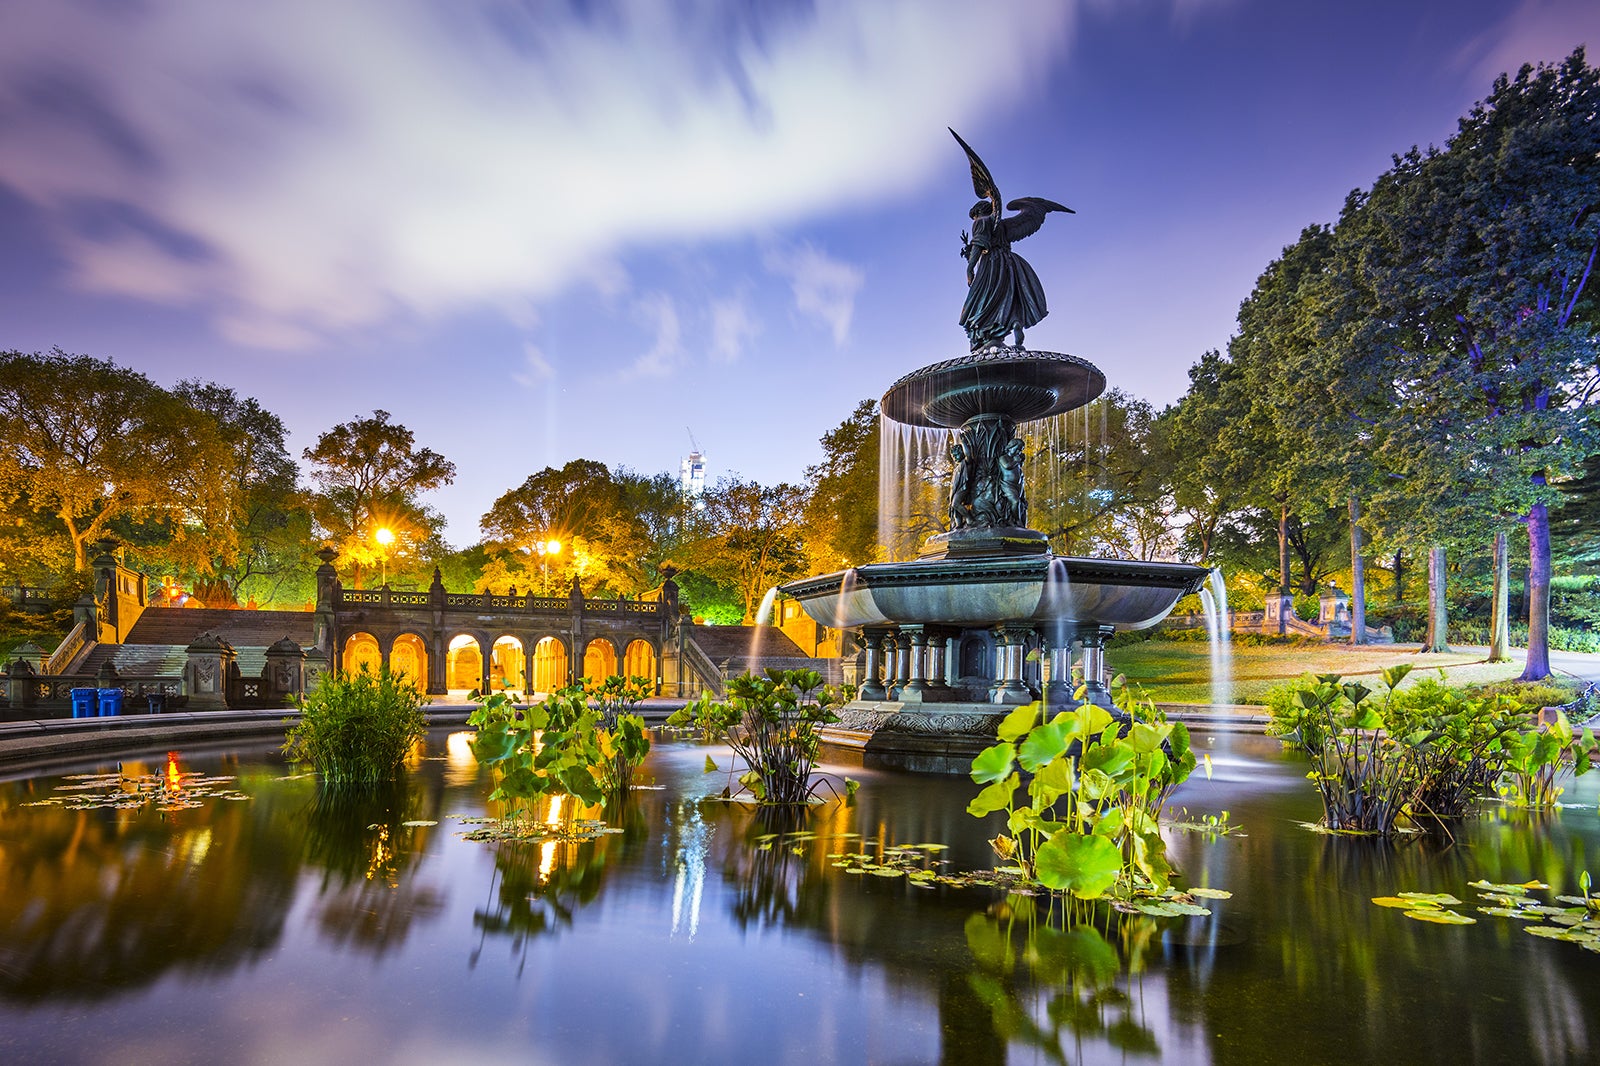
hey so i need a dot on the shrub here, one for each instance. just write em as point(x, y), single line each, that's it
point(356, 729)
point(774, 725)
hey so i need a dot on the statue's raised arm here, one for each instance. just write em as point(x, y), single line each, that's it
point(1003, 292)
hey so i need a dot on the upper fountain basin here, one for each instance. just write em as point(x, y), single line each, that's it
point(1123, 594)
point(1000, 380)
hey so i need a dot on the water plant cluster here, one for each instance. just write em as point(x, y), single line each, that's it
point(773, 724)
point(1381, 760)
point(170, 790)
point(581, 742)
point(1087, 819)
point(1574, 919)
point(357, 728)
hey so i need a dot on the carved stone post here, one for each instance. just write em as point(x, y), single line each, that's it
point(283, 677)
point(916, 685)
point(206, 673)
point(1094, 665)
point(1008, 687)
point(872, 686)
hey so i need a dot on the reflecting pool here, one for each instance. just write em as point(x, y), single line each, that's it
point(264, 922)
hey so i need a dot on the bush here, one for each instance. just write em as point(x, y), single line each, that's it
point(356, 729)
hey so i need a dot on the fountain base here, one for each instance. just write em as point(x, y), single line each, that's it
point(1002, 542)
point(941, 738)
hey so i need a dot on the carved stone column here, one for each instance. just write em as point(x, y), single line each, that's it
point(1008, 687)
point(1058, 649)
point(1094, 665)
point(872, 686)
point(916, 686)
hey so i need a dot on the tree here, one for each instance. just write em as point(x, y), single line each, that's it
point(842, 503)
point(752, 537)
point(91, 444)
point(370, 473)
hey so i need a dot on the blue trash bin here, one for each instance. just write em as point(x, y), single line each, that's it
point(83, 703)
point(110, 702)
point(157, 701)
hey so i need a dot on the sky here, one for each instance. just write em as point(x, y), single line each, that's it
point(536, 230)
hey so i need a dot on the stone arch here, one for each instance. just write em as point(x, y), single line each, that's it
point(639, 659)
point(550, 670)
point(508, 664)
point(599, 658)
point(408, 655)
point(463, 670)
point(361, 650)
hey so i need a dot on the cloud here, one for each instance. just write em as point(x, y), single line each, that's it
point(1536, 31)
point(658, 311)
point(321, 167)
point(824, 288)
point(536, 367)
point(733, 326)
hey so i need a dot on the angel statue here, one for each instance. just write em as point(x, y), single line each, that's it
point(1003, 292)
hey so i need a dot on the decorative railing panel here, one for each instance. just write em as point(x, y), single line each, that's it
point(66, 651)
point(482, 601)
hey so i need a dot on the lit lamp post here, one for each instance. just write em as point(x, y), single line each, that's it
point(384, 537)
point(546, 549)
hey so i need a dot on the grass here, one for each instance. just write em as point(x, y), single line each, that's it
point(1180, 671)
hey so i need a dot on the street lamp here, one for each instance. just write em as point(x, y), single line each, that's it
point(546, 548)
point(385, 537)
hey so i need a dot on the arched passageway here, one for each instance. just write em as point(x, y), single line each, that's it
point(409, 656)
point(549, 665)
point(599, 660)
point(464, 665)
point(506, 665)
point(361, 652)
point(639, 660)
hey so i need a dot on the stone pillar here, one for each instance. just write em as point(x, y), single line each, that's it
point(872, 686)
point(205, 676)
point(1059, 688)
point(325, 622)
point(22, 680)
point(283, 677)
point(313, 667)
point(1008, 687)
point(952, 660)
point(1094, 665)
point(937, 645)
point(916, 685)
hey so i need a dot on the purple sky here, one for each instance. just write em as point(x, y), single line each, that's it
point(535, 231)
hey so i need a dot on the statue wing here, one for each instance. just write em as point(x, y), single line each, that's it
point(1030, 216)
point(982, 181)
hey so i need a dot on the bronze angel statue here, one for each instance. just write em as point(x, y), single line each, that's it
point(1003, 292)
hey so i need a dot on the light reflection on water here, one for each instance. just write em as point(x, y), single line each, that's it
point(302, 926)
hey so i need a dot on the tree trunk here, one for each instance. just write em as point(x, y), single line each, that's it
point(1358, 577)
point(1500, 605)
point(1538, 665)
point(1438, 617)
point(1285, 596)
point(1399, 577)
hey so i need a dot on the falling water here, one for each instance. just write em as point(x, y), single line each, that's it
point(1056, 604)
point(1219, 628)
point(763, 619)
point(847, 587)
point(913, 473)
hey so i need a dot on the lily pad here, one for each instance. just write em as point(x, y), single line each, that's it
point(1210, 893)
point(1441, 917)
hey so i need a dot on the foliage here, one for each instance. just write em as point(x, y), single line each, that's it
point(750, 536)
point(369, 473)
point(1537, 759)
point(773, 724)
point(1423, 751)
point(842, 494)
point(1087, 821)
point(357, 729)
point(91, 445)
point(579, 742)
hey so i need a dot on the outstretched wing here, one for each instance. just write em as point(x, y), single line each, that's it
point(1030, 216)
point(982, 180)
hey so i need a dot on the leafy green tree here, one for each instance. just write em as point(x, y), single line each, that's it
point(370, 473)
point(842, 501)
point(91, 444)
point(751, 537)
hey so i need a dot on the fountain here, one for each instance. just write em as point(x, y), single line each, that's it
point(951, 637)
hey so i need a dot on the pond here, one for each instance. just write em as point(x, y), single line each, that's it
point(266, 924)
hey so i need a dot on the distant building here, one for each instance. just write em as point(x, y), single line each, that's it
point(692, 475)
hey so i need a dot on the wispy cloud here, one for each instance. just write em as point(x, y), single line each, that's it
point(733, 327)
point(824, 288)
point(536, 367)
point(1534, 31)
point(658, 312)
point(301, 168)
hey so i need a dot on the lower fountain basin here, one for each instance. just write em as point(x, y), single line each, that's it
point(1123, 594)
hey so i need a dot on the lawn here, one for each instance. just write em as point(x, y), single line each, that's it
point(1180, 671)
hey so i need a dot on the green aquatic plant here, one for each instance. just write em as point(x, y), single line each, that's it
point(575, 743)
point(1087, 820)
point(774, 725)
point(358, 728)
point(1538, 758)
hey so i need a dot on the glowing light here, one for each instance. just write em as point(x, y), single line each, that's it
point(384, 536)
point(174, 776)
